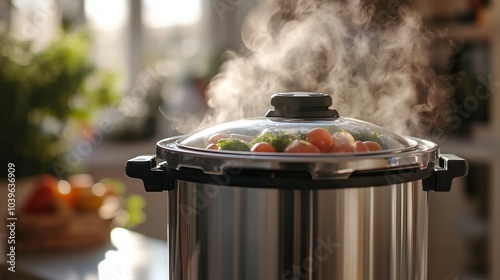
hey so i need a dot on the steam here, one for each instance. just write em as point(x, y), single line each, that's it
point(382, 70)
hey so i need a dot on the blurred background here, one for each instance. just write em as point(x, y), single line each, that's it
point(95, 80)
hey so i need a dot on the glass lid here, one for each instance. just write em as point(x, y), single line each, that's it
point(299, 123)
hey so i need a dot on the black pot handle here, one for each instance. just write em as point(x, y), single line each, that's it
point(450, 167)
point(155, 178)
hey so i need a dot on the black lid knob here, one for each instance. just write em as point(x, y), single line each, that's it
point(301, 105)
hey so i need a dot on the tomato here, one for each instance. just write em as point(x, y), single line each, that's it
point(343, 149)
point(301, 146)
point(360, 147)
point(343, 142)
point(213, 147)
point(343, 136)
point(216, 137)
point(89, 202)
point(372, 146)
point(80, 184)
point(65, 192)
point(320, 138)
point(263, 147)
point(43, 200)
point(44, 197)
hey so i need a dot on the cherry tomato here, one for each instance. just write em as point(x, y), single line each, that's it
point(372, 146)
point(343, 136)
point(320, 138)
point(301, 146)
point(343, 149)
point(343, 142)
point(43, 200)
point(360, 147)
point(216, 137)
point(263, 147)
point(45, 197)
point(213, 147)
point(90, 202)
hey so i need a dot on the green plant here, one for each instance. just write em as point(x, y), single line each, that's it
point(42, 94)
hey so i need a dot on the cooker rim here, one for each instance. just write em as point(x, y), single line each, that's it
point(321, 166)
point(171, 164)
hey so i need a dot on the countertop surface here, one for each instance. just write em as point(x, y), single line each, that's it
point(128, 256)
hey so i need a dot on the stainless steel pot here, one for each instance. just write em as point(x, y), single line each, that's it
point(337, 214)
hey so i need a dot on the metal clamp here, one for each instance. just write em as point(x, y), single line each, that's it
point(155, 178)
point(450, 167)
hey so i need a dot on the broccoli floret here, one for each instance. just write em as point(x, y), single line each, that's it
point(301, 136)
point(265, 137)
point(233, 145)
point(375, 137)
point(279, 140)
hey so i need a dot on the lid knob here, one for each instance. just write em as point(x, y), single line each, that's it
point(301, 105)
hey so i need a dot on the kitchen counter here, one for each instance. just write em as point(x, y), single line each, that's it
point(129, 256)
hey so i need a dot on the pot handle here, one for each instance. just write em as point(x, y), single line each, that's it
point(450, 167)
point(155, 178)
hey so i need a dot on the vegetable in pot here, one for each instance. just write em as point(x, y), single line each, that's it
point(367, 136)
point(214, 139)
point(263, 147)
point(372, 146)
point(320, 139)
point(213, 147)
point(343, 142)
point(279, 140)
point(301, 146)
point(233, 145)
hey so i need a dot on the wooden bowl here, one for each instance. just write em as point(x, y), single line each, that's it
point(61, 231)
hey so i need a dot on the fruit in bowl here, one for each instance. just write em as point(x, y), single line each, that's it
point(72, 214)
point(45, 198)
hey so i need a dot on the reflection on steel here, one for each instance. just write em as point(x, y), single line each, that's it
point(245, 233)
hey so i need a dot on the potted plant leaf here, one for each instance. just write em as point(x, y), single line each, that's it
point(44, 94)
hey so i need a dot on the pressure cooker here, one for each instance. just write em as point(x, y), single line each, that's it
point(301, 193)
